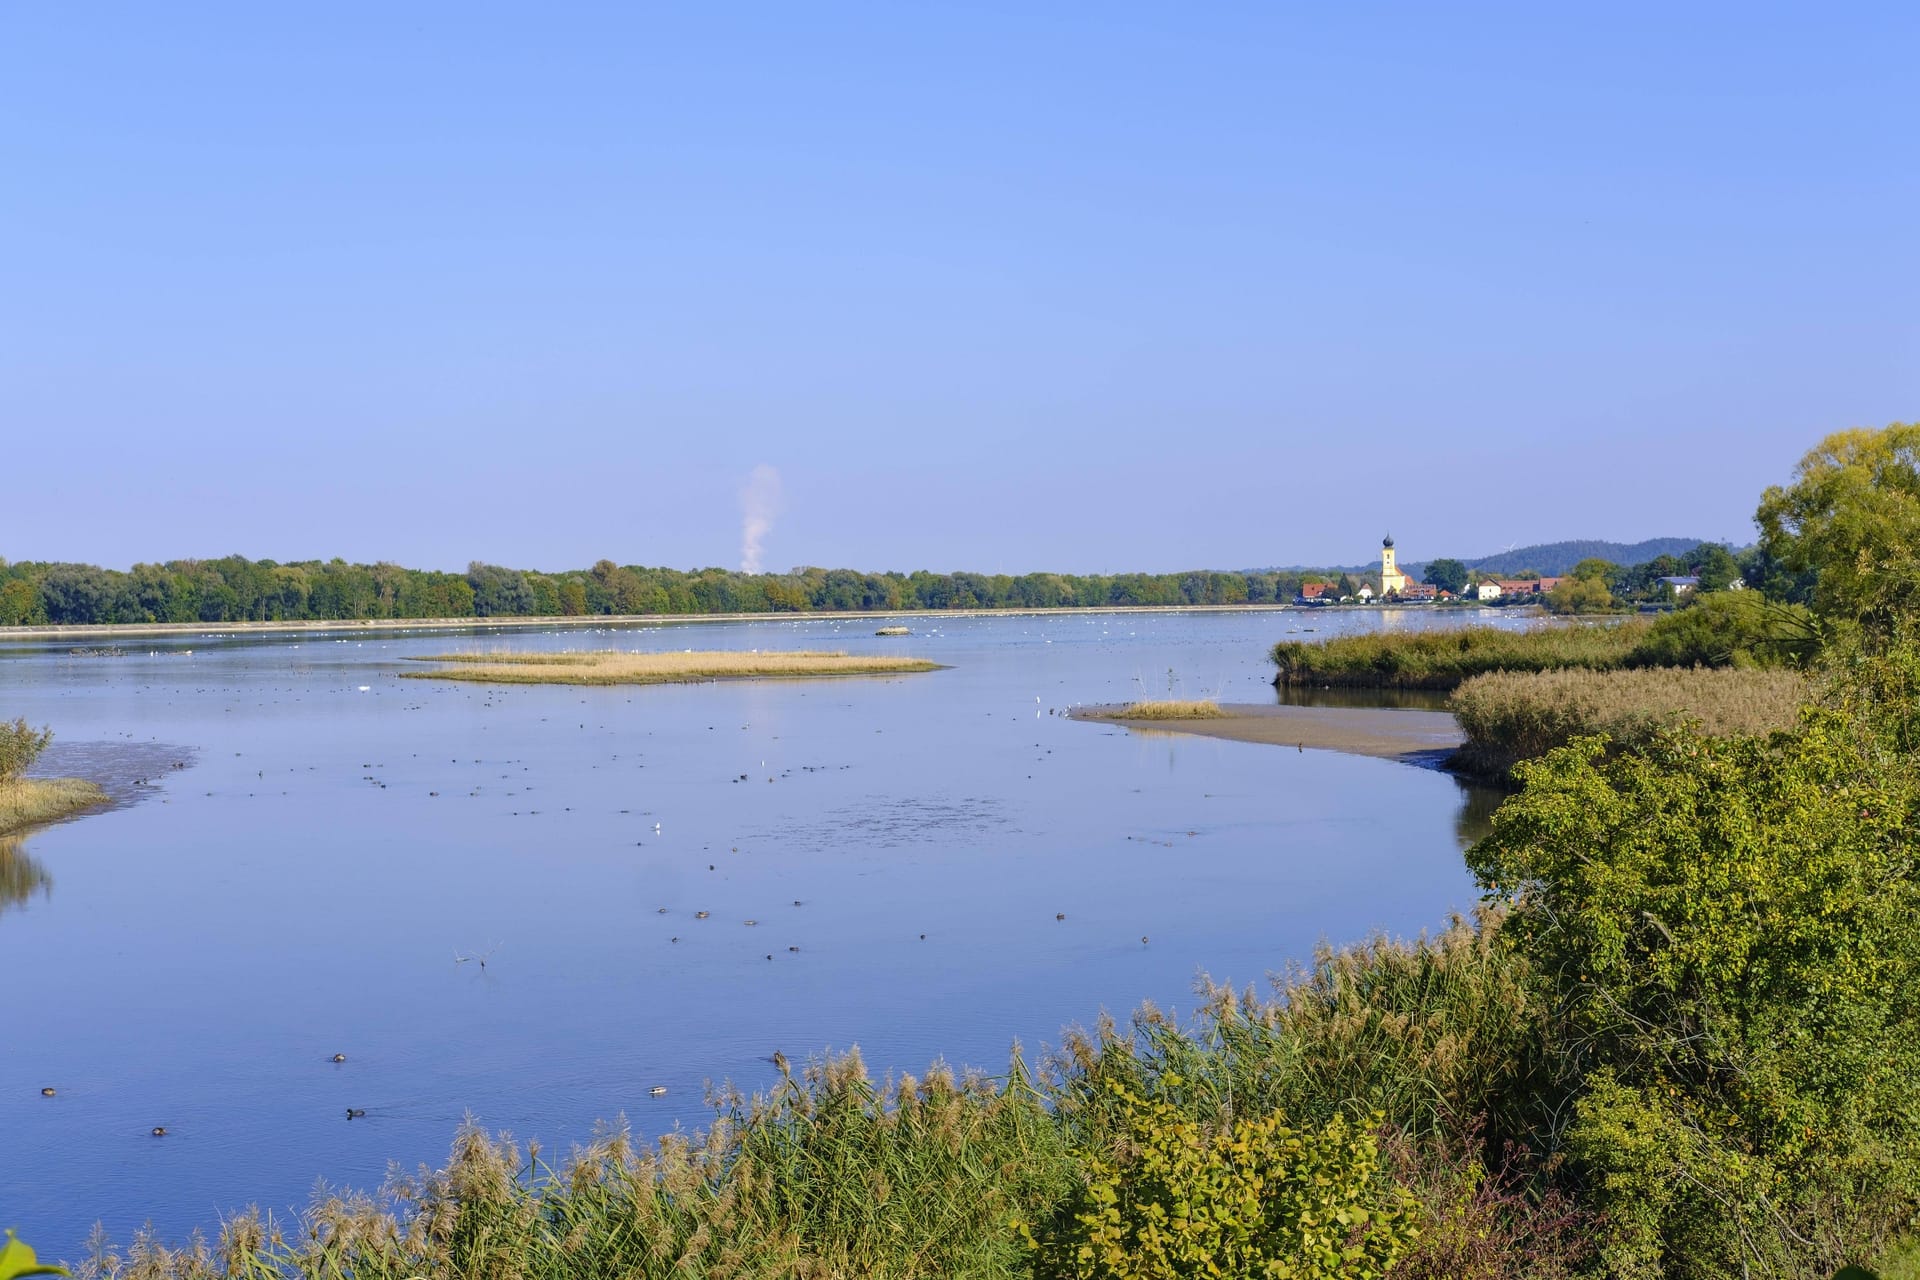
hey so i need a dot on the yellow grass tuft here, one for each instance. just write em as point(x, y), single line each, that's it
point(28, 802)
point(610, 666)
point(1171, 709)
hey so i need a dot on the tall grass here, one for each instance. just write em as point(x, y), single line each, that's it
point(1513, 716)
point(1442, 658)
point(833, 1175)
point(28, 802)
point(609, 667)
point(1170, 709)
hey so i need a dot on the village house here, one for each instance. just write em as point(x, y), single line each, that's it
point(1316, 593)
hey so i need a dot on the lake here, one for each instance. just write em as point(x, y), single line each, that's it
point(486, 897)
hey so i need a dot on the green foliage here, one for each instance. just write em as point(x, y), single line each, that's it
point(1730, 629)
point(17, 1261)
point(235, 589)
point(1176, 1198)
point(1442, 658)
point(1580, 595)
point(1729, 931)
point(1448, 575)
point(1851, 519)
point(20, 745)
point(1594, 569)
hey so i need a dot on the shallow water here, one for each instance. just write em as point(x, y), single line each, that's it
point(461, 888)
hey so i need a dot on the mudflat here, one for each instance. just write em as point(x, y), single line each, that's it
point(1391, 733)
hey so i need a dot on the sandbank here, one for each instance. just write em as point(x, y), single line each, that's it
point(1424, 738)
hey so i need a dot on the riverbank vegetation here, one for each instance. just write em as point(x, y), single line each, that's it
point(1444, 656)
point(1170, 709)
point(610, 666)
point(1723, 629)
point(1512, 716)
point(28, 802)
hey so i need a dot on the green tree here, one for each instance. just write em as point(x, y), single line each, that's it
point(1580, 595)
point(1715, 566)
point(1448, 575)
point(1851, 518)
point(1594, 569)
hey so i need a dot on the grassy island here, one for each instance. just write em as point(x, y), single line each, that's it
point(610, 666)
point(1168, 709)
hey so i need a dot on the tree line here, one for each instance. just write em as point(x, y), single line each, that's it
point(236, 589)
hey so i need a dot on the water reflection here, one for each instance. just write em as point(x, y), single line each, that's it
point(1477, 803)
point(20, 876)
point(1410, 699)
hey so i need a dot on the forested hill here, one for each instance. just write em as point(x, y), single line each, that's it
point(1555, 558)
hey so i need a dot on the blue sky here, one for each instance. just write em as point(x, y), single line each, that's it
point(988, 286)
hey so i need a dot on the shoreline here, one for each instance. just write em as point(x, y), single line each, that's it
point(218, 630)
point(1424, 739)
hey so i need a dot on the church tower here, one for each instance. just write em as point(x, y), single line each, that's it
point(1391, 579)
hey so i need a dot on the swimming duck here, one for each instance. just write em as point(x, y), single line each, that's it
point(159, 1131)
point(354, 1113)
point(658, 1091)
point(339, 1057)
point(47, 1092)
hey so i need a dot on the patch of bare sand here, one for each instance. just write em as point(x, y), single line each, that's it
point(1391, 733)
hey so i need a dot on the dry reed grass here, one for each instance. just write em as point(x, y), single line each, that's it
point(1171, 709)
point(1514, 716)
point(610, 666)
point(28, 802)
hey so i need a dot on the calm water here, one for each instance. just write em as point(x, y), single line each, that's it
point(306, 884)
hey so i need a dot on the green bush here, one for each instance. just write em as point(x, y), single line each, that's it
point(1175, 1198)
point(1729, 629)
point(1728, 934)
point(20, 746)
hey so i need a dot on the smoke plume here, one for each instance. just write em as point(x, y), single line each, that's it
point(759, 504)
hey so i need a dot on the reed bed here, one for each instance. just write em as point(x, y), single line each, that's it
point(832, 1174)
point(611, 666)
point(1170, 709)
point(28, 802)
point(1514, 716)
point(1442, 658)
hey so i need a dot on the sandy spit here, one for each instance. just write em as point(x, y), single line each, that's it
point(1424, 738)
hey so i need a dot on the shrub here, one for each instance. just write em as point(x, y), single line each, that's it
point(1728, 934)
point(1174, 1197)
point(1509, 717)
point(1729, 629)
point(20, 746)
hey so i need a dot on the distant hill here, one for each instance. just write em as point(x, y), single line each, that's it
point(1558, 557)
